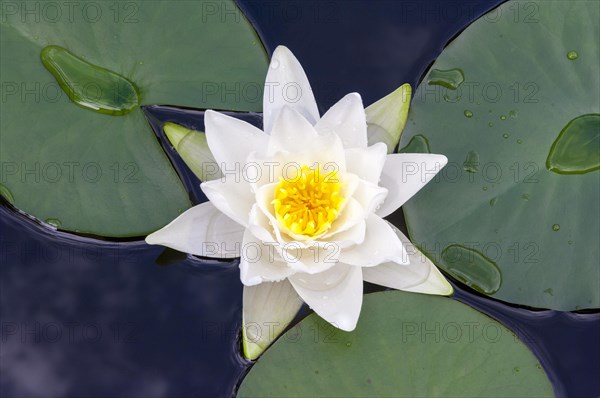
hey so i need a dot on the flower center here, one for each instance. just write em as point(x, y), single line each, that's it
point(308, 203)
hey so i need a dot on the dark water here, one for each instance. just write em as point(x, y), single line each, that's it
point(86, 318)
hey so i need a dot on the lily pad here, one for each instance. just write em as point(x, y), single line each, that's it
point(106, 174)
point(405, 345)
point(520, 202)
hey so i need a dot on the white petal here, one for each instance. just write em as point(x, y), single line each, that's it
point(370, 196)
point(291, 132)
point(268, 310)
point(419, 276)
point(315, 259)
point(234, 198)
point(386, 118)
point(351, 214)
point(335, 295)
point(435, 283)
point(404, 174)
point(231, 140)
point(381, 244)
point(264, 196)
point(346, 119)
point(326, 152)
point(396, 276)
point(287, 84)
point(260, 262)
point(260, 227)
point(367, 163)
point(347, 237)
point(202, 230)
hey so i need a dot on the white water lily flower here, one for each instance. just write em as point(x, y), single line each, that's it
point(302, 203)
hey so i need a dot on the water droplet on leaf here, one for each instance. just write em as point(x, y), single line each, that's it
point(113, 93)
point(417, 144)
point(451, 78)
point(471, 163)
point(577, 148)
point(472, 268)
point(54, 222)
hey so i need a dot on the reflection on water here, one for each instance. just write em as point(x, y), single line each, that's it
point(87, 318)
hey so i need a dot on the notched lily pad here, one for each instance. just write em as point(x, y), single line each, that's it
point(504, 188)
point(405, 345)
point(96, 173)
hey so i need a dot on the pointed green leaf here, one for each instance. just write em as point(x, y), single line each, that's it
point(386, 117)
point(268, 309)
point(175, 133)
point(192, 146)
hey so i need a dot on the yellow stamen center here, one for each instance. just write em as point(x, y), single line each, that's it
point(308, 203)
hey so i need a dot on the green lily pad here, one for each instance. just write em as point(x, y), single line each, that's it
point(405, 345)
point(104, 174)
point(515, 212)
